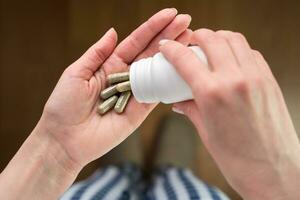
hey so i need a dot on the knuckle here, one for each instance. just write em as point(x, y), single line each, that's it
point(151, 24)
point(258, 81)
point(99, 53)
point(240, 85)
point(214, 39)
point(134, 41)
point(204, 34)
point(237, 38)
point(214, 92)
point(257, 53)
point(223, 33)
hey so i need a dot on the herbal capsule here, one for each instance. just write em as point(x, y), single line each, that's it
point(107, 104)
point(108, 92)
point(122, 101)
point(124, 86)
point(118, 77)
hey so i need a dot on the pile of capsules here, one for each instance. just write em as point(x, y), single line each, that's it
point(117, 94)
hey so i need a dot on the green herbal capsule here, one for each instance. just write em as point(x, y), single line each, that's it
point(108, 92)
point(124, 86)
point(118, 77)
point(107, 104)
point(122, 101)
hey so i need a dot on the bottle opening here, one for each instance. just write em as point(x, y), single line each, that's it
point(141, 81)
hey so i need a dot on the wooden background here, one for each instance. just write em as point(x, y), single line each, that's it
point(38, 39)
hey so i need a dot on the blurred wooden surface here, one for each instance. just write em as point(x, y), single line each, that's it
point(38, 39)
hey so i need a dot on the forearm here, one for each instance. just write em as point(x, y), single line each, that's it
point(41, 169)
point(281, 183)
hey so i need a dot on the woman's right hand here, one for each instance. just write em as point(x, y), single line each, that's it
point(240, 114)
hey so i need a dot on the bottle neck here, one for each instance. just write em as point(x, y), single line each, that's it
point(141, 81)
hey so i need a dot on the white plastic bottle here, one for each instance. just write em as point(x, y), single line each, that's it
point(155, 80)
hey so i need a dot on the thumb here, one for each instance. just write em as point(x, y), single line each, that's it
point(187, 108)
point(94, 57)
point(191, 110)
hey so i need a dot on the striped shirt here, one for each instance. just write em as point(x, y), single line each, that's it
point(126, 183)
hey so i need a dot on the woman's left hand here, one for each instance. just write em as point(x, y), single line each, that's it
point(70, 133)
point(70, 114)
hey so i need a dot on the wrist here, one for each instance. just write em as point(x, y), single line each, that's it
point(279, 182)
point(52, 157)
point(41, 169)
point(52, 150)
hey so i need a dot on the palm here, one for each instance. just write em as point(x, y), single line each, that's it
point(73, 103)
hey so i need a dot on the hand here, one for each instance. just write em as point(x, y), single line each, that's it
point(70, 114)
point(240, 114)
point(70, 132)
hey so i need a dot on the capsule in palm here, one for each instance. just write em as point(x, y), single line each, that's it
point(108, 92)
point(122, 101)
point(107, 104)
point(123, 87)
point(118, 77)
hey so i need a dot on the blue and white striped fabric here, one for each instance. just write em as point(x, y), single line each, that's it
point(126, 183)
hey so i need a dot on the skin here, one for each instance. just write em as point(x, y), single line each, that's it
point(238, 109)
point(70, 133)
point(240, 114)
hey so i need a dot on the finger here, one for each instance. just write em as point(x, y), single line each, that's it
point(217, 50)
point(185, 107)
point(187, 64)
point(171, 32)
point(141, 37)
point(91, 60)
point(185, 37)
point(262, 63)
point(190, 109)
point(240, 47)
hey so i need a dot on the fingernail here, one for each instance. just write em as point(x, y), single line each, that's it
point(189, 17)
point(186, 15)
point(174, 109)
point(173, 10)
point(163, 41)
point(110, 30)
